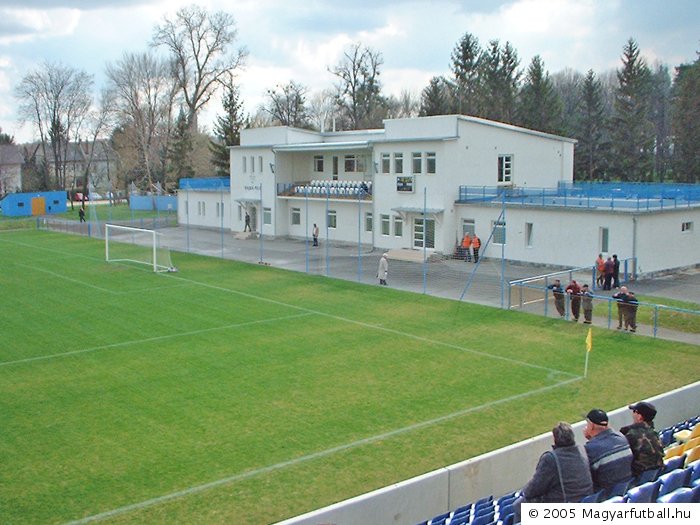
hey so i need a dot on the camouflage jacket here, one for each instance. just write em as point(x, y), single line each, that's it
point(646, 447)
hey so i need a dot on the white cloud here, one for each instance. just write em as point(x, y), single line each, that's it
point(23, 25)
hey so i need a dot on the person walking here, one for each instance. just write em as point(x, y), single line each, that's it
point(81, 213)
point(587, 304)
point(383, 270)
point(247, 223)
point(476, 244)
point(314, 233)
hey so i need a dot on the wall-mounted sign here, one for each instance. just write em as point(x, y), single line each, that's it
point(404, 183)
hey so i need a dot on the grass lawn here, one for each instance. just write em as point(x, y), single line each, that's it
point(236, 393)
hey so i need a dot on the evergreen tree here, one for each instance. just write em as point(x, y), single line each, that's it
point(227, 130)
point(686, 122)
point(180, 151)
point(499, 77)
point(593, 145)
point(539, 105)
point(466, 60)
point(632, 130)
point(660, 115)
point(567, 85)
point(436, 98)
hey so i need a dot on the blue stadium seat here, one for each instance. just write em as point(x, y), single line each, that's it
point(673, 480)
point(508, 520)
point(461, 520)
point(645, 493)
point(680, 495)
point(696, 494)
point(615, 499)
point(440, 519)
point(646, 476)
point(596, 497)
point(673, 464)
point(666, 436)
point(619, 489)
point(486, 519)
point(694, 477)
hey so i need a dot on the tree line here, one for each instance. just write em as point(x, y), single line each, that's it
point(638, 123)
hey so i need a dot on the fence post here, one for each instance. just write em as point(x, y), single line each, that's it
point(656, 318)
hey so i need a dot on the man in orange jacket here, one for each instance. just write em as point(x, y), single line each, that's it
point(476, 244)
point(466, 243)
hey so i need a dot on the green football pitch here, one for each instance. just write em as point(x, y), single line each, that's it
point(237, 393)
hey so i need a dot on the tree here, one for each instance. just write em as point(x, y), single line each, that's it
point(500, 78)
point(591, 125)
point(199, 45)
point(632, 131)
point(404, 106)
point(465, 66)
point(539, 105)
point(144, 94)
point(359, 92)
point(180, 150)
point(660, 116)
point(320, 110)
point(227, 129)
point(567, 85)
point(57, 99)
point(686, 122)
point(5, 138)
point(287, 105)
point(437, 98)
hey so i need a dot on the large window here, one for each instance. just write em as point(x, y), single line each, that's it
point(318, 163)
point(604, 239)
point(368, 221)
point(354, 164)
point(499, 232)
point(398, 226)
point(267, 215)
point(430, 162)
point(332, 219)
point(417, 162)
point(468, 227)
point(386, 162)
point(505, 168)
point(386, 225)
point(296, 216)
point(398, 162)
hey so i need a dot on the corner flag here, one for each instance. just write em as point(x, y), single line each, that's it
point(589, 347)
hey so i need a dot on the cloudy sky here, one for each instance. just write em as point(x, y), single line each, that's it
point(299, 39)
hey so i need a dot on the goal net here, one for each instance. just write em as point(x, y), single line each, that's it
point(137, 245)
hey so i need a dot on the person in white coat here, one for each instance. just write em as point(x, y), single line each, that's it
point(383, 269)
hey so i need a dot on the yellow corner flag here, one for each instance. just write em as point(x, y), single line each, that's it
point(589, 340)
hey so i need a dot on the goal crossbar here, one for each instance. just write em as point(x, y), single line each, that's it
point(136, 245)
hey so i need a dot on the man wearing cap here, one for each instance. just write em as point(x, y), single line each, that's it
point(558, 292)
point(643, 439)
point(609, 453)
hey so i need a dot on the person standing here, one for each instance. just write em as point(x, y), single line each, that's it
point(558, 292)
point(587, 303)
point(314, 233)
point(620, 298)
point(81, 213)
point(466, 245)
point(608, 268)
point(247, 223)
point(562, 474)
point(631, 305)
point(383, 270)
point(644, 441)
point(574, 292)
point(600, 270)
point(616, 271)
point(476, 244)
point(609, 454)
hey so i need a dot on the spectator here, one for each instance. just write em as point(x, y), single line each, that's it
point(466, 244)
point(620, 297)
point(561, 475)
point(609, 453)
point(383, 270)
point(600, 270)
point(616, 271)
point(476, 244)
point(608, 269)
point(81, 213)
point(247, 223)
point(314, 233)
point(558, 292)
point(587, 303)
point(574, 291)
point(644, 441)
point(631, 305)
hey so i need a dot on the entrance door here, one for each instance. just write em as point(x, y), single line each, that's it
point(423, 233)
point(254, 218)
point(38, 206)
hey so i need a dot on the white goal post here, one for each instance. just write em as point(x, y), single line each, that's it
point(137, 245)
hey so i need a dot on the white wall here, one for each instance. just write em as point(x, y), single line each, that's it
point(497, 473)
point(202, 207)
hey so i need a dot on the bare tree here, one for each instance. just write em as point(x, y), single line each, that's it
point(321, 106)
point(199, 43)
point(144, 95)
point(287, 105)
point(57, 99)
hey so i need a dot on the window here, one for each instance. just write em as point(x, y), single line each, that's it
point(252, 164)
point(368, 221)
point(219, 209)
point(505, 168)
point(528, 234)
point(398, 162)
point(318, 163)
point(335, 168)
point(260, 164)
point(350, 163)
point(398, 227)
point(687, 226)
point(245, 164)
point(386, 225)
point(332, 219)
point(417, 161)
point(240, 212)
point(267, 215)
point(386, 162)
point(468, 227)
point(296, 216)
point(201, 208)
point(499, 232)
point(430, 162)
point(604, 239)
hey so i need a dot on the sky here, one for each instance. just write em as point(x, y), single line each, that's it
point(300, 40)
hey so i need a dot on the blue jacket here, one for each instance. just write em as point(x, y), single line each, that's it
point(610, 459)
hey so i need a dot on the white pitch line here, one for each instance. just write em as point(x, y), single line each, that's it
point(151, 339)
point(309, 457)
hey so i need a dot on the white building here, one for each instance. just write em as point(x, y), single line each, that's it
point(420, 183)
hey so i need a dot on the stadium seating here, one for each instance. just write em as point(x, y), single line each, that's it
point(646, 476)
point(680, 495)
point(673, 464)
point(645, 493)
point(692, 455)
point(672, 481)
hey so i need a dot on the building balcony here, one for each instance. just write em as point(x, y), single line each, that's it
point(327, 189)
